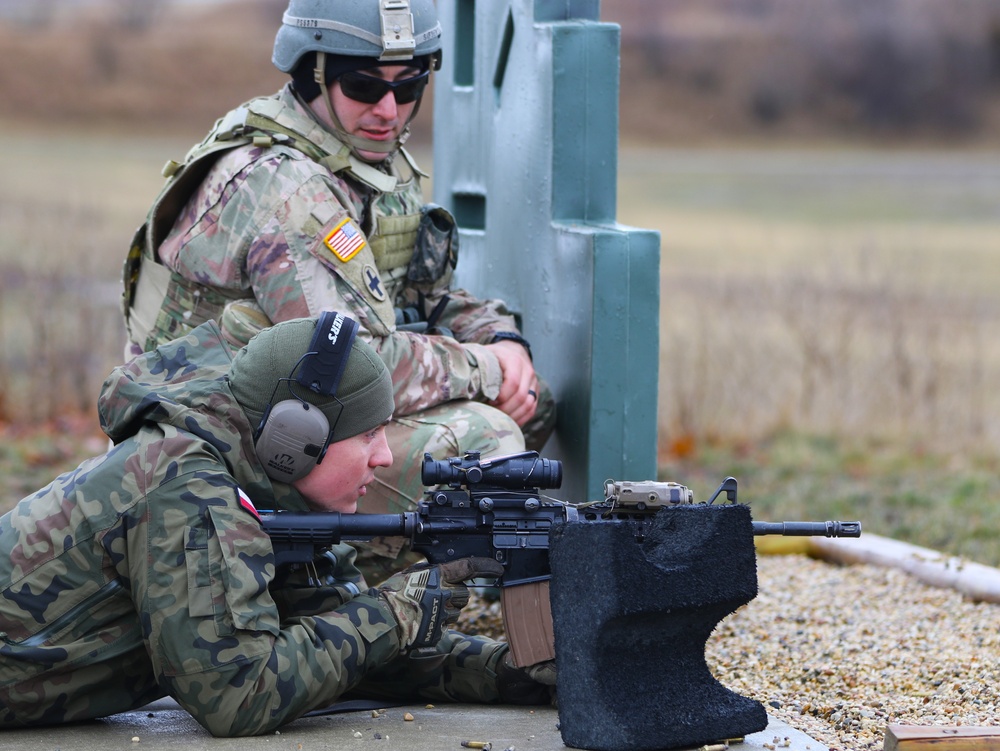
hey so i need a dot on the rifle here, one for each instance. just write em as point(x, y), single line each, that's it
point(494, 508)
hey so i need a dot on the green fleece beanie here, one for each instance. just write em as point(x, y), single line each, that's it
point(364, 396)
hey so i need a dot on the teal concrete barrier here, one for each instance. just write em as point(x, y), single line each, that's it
point(526, 156)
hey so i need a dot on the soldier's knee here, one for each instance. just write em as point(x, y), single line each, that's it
point(491, 432)
point(451, 430)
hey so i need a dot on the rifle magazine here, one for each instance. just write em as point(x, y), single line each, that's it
point(527, 619)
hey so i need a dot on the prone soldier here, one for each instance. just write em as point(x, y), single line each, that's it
point(146, 572)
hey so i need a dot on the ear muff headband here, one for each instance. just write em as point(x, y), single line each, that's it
point(293, 435)
point(332, 344)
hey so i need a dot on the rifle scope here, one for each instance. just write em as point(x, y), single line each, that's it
point(515, 472)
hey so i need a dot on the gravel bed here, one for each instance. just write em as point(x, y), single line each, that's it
point(840, 652)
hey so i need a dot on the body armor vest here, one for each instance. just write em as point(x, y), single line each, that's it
point(159, 304)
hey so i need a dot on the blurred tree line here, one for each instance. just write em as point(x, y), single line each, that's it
point(812, 68)
point(910, 67)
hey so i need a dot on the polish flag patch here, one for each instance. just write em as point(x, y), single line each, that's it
point(247, 504)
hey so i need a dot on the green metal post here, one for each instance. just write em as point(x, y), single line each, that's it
point(526, 156)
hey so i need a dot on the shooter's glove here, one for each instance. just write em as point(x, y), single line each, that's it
point(534, 684)
point(426, 599)
point(322, 585)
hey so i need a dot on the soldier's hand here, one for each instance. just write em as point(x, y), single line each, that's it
point(427, 599)
point(518, 395)
point(534, 684)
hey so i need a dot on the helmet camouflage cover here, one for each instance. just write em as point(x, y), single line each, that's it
point(383, 29)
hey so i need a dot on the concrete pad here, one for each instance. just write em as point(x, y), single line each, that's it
point(164, 726)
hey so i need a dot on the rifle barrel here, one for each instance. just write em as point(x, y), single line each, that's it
point(808, 529)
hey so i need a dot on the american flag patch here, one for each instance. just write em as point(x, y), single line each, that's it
point(345, 241)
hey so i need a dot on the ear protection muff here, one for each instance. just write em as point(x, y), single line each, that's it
point(293, 435)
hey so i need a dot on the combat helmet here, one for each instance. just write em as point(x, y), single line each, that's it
point(355, 35)
point(383, 29)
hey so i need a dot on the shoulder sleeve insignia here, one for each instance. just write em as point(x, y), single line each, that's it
point(246, 504)
point(346, 240)
point(373, 282)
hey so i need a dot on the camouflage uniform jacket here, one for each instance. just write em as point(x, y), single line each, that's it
point(296, 223)
point(145, 571)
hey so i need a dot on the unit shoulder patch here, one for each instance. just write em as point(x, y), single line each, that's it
point(373, 282)
point(345, 240)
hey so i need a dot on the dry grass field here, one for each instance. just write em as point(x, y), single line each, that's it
point(828, 332)
point(839, 291)
point(68, 205)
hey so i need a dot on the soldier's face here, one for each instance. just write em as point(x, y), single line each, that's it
point(382, 120)
point(336, 483)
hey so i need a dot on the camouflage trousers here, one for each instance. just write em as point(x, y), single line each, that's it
point(443, 431)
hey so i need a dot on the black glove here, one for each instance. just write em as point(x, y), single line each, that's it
point(534, 684)
point(427, 599)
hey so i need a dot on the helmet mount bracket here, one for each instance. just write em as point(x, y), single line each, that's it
point(398, 41)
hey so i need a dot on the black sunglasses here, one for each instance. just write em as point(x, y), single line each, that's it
point(371, 89)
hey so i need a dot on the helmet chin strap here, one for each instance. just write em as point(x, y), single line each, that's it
point(357, 143)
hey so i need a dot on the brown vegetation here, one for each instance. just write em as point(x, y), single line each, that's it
point(917, 69)
point(166, 68)
point(914, 69)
